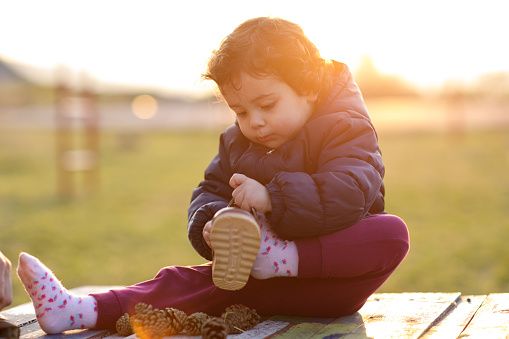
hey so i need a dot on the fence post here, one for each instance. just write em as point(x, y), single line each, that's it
point(77, 137)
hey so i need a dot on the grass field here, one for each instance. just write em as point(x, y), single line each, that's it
point(453, 191)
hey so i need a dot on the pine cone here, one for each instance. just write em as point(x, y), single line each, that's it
point(194, 323)
point(214, 328)
point(176, 318)
point(143, 311)
point(140, 317)
point(240, 318)
point(123, 326)
point(149, 322)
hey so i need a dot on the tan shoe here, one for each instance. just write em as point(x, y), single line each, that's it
point(235, 240)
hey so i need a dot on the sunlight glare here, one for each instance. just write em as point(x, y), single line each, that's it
point(426, 43)
point(144, 106)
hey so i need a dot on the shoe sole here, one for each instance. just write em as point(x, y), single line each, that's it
point(235, 240)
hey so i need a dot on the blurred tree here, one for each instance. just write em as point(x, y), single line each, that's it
point(493, 86)
point(375, 84)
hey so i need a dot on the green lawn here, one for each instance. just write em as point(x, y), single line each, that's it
point(452, 191)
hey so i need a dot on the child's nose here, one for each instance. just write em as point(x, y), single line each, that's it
point(257, 120)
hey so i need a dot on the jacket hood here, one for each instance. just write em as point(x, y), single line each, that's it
point(344, 94)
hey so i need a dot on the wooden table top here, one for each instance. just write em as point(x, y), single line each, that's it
point(385, 315)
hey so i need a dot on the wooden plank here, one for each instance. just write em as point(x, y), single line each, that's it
point(352, 325)
point(454, 322)
point(391, 315)
point(409, 315)
point(300, 331)
point(491, 320)
point(20, 315)
point(262, 330)
point(384, 315)
point(300, 327)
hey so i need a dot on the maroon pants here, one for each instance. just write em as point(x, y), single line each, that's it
point(337, 273)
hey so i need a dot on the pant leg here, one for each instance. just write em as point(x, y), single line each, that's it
point(373, 246)
point(334, 291)
point(337, 272)
point(191, 289)
point(187, 288)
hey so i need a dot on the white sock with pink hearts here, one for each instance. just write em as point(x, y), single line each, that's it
point(276, 257)
point(57, 309)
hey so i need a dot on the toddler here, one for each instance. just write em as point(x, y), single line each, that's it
point(308, 235)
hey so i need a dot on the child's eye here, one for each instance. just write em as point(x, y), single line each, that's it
point(268, 106)
point(240, 114)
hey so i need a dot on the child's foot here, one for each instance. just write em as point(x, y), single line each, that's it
point(277, 257)
point(235, 240)
point(57, 309)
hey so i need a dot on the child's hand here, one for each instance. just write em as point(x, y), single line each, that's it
point(249, 193)
point(206, 232)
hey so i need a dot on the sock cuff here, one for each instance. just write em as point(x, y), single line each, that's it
point(310, 257)
point(108, 310)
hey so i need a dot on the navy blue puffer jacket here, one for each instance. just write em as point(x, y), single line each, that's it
point(325, 179)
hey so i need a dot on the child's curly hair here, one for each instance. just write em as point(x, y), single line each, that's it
point(270, 46)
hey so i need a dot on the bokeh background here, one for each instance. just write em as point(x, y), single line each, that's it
point(106, 128)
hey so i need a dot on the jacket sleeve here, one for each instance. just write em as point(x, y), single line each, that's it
point(211, 195)
point(341, 189)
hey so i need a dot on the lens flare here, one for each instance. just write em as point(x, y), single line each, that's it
point(144, 106)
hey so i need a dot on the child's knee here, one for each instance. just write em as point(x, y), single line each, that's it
point(396, 229)
point(391, 240)
point(400, 251)
point(397, 232)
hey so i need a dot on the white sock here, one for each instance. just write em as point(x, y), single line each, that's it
point(276, 257)
point(57, 309)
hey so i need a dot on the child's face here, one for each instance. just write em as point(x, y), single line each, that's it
point(269, 112)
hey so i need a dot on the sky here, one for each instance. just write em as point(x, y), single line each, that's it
point(165, 45)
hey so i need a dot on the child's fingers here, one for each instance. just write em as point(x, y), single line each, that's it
point(245, 205)
point(206, 232)
point(237, 179)
point(241, 198)
point(238, 195)
point(206, 237)
point(208, 226)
